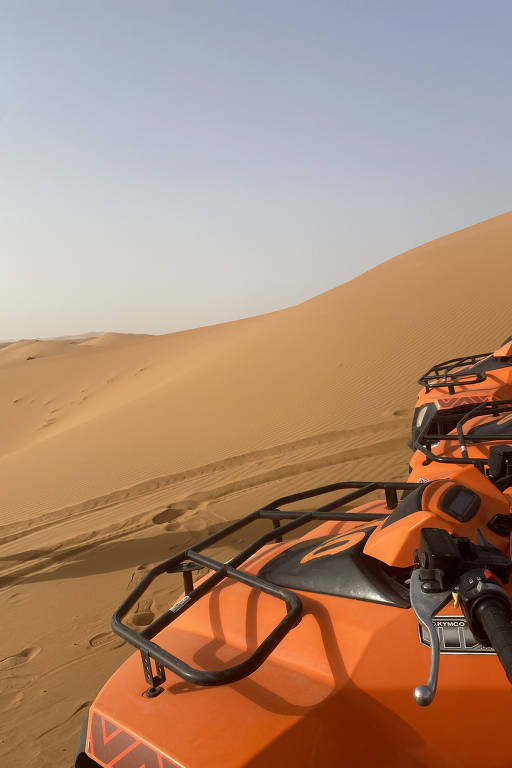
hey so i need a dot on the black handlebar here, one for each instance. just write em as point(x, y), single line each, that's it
point(487, 607)
point(494, 616)
point(476, 573)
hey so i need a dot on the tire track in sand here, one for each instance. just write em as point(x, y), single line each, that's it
point(36, 560)
point(14, 531)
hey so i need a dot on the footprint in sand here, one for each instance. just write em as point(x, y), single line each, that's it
point(176, 526)
point(19, 658)
point(48, 423)
point(143, 618)
point(14, 683)
point(104, 639)
point(143, 614)
point(17, 598)
point(12, 702)
point(170, 513)
point(137, 575)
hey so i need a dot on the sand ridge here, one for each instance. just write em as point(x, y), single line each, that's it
point(118, 450)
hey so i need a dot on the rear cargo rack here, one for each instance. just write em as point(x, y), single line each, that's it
point(191, 560)
point(425, 441)
point(447, 374)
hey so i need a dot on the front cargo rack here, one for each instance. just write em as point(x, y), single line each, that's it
point(192, 560)
point(488, 432)
point(453, 373)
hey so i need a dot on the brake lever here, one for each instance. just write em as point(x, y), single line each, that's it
point(425, 605)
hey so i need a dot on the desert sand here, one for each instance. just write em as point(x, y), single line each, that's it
point(118, 450)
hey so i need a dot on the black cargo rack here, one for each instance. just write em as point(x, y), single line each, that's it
point(447, 374)
point(494, 408)
point(192, 560)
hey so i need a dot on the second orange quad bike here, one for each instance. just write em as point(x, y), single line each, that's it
point(481, 437)
point(452, 388)
point(380, 635)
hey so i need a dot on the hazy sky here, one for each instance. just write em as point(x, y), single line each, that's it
point(170, 164)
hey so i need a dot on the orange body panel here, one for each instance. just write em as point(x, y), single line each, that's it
point(336, 691)
point(396, 543)
point(504, 351)
point(498, 386)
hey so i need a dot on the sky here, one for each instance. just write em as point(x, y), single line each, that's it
point(166, 165)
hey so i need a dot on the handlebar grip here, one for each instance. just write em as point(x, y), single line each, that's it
point(494, 616)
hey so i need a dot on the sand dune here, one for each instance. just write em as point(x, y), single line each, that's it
point(119, 449)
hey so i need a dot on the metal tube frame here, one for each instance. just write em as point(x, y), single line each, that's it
point(191, 559)
point(424, 441)
point(444, 375)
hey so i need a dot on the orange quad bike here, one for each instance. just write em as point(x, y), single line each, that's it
point(451, 389)
point(326, 649)
point(481, 437)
